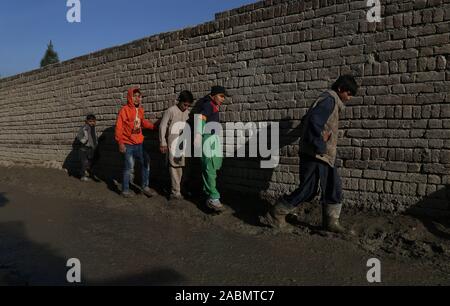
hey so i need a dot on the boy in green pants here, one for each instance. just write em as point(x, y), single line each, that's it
point(209, 139)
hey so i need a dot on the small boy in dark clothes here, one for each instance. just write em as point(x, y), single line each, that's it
point(87, 136)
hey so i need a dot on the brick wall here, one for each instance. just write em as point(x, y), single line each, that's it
point(275, 57)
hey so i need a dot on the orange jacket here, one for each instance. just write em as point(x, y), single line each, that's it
point(130, 122)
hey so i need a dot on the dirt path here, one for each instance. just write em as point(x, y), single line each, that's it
point(47, 217)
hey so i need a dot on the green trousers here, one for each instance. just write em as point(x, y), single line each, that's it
point(211, 163)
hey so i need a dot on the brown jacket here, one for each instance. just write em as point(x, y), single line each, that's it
point(331, 126)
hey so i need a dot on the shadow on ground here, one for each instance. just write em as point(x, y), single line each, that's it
point(157, 277)
point(24, 262)
point(3, 199)
point(430, 211)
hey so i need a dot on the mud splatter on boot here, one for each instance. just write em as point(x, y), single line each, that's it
point(330, 215)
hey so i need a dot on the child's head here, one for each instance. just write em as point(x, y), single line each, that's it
point(185, 100)
point(137, 96)
point(91, 120)
point(346, 87)
point(218, 94)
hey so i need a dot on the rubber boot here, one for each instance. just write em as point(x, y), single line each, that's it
point(330, 215)
point(276, 216)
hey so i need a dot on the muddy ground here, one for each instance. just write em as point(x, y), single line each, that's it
point(47, 217)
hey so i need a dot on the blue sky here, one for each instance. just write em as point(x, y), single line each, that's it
point(26, 26)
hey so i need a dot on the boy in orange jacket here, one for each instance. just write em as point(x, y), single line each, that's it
point(128, 134)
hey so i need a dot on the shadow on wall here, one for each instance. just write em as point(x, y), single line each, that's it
point(257, 189)
point(246, 200)
point(72, 162)
point(256, 181)
point(108, 161)
point(434, 212)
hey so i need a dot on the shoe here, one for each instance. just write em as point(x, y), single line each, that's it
point(330, 219)
point(276, 216)
point(95, 178)
point(149, 192)
point(215, 205)
point(176, 197)
point(127, 194)
point(85, 179)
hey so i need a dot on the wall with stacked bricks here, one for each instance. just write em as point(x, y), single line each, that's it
point(275, 57)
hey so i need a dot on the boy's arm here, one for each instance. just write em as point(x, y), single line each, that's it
point(163, 128)
point(200, 122)
point(318, 118)
point(146, 124)
point(202, 118)
point(118, 133)
point(83, 136)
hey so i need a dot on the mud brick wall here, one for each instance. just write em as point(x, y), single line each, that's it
point(275, 57)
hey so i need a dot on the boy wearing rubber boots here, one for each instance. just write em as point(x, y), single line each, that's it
point(318, 145)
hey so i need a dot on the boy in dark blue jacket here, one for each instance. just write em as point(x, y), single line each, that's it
point(318, 146)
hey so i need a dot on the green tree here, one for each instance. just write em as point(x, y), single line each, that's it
point(50, 57)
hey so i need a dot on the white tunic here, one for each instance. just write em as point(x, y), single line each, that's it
point(169, 133)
